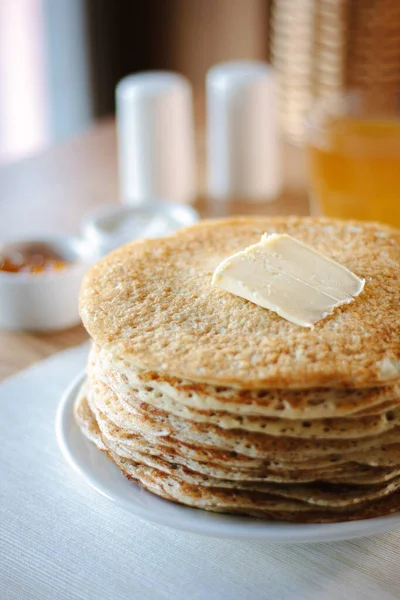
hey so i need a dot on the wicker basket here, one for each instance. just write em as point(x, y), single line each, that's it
point(324, 46)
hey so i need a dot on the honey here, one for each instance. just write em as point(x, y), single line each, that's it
point(355, 171)
point(31, 260)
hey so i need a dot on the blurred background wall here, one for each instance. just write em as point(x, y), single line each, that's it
point(183, 35)
point(61, 59)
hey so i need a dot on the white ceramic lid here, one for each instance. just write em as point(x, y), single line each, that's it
point(113, 226)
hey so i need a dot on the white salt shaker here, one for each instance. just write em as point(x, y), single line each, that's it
point(155, 138)
point(243, 147)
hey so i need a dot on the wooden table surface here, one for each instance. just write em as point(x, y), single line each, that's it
point(52, 192)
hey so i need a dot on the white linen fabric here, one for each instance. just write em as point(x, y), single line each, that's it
point(60, 540)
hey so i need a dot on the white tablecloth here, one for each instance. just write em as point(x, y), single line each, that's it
point(60, 540)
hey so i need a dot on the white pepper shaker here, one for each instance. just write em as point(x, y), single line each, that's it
point(155, 138)
point(243, 146)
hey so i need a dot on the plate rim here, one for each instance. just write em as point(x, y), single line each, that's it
point(245, 528)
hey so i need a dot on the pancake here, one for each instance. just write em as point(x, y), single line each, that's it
point(126, 401)
point(326, 497)
point(322, 494)
point(151, 304)
point(383, 455)
point(155, 423)
point(210, 401)
point(112, 431)
point(86, 419)
point(316, 403)
point(140, 450)
point(258, 504)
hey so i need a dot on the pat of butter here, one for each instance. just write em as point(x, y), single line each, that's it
point(288, 277)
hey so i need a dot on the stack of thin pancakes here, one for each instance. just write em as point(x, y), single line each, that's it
point(208, 400)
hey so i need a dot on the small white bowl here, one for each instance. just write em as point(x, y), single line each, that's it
point(49, 300)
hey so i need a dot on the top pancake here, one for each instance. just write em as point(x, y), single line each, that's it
point(151, 303)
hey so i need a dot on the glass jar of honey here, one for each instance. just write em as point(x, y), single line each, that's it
point(354, 158)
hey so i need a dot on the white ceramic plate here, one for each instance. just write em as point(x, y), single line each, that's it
point(106, 478)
